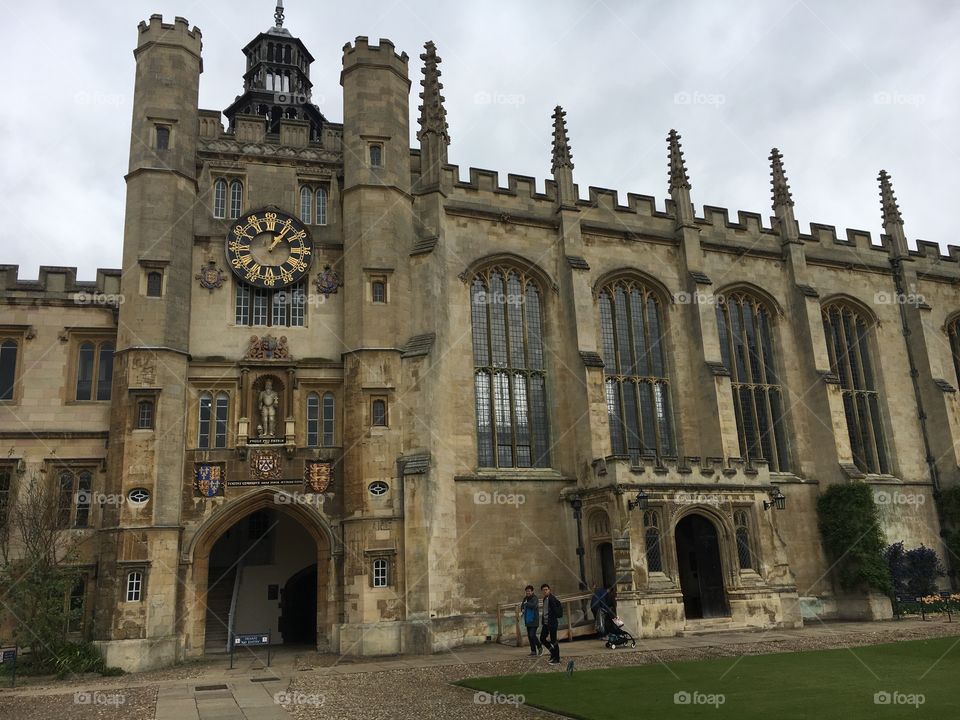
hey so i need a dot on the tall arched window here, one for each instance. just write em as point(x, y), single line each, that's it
point(154, 283)
point(953, 332)
point(847, 330)
point(651, 536)
point(236, 199)
point(203, 424)
point(744, 553)
point(635, 369)
point(8, 368)
point(220, 199)
point(321, 216)
point(305, 204)
point(328, 420)
point(86, 358)
point(313, 419)
point(220, 434)
point(746, 348)
point(509, 372)
point(104, 371)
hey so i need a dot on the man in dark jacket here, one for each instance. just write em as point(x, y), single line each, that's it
point(530, 608)
point(552, 612)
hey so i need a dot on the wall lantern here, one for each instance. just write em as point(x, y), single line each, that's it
point(640, 501)
point(777, 500)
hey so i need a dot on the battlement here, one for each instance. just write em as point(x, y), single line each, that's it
point(361, 52)
point(178, 33)
point(56, 282)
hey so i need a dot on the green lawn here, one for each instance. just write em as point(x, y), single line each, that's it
point(822, 685)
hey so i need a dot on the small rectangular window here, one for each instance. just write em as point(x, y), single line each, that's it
point(134, 586)
point(376, 155)
point(8, 367)
point(145, 415)
point(380, 573)
point(154, 283)
point(163, 137)
point(378, 412)
point(378, 290)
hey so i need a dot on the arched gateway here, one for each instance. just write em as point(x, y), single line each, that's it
point(700, 568)
point(260, 564)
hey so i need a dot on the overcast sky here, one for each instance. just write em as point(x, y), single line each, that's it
point(842, 88)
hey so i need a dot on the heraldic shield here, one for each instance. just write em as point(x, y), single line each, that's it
point(317, 475)
point(208, 480)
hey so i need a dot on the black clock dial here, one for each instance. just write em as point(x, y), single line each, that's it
point(269, 249)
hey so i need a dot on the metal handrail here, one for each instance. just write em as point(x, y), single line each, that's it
point(567, 600)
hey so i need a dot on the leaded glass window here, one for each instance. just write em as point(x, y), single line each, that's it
point(637, 387)
point(847, 330)
point(651, 534)
point(509, 371)
point(203, 427)
point(220, 199)
point(328, 419)
point(8, 368)
point(222, 418)
point(306, 205)
point(321, 215)
point(744, 554)
point(747, 351)
point(313, 419)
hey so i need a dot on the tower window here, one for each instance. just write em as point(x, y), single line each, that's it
point(313, 419)
point(220, 199)
point(378, 290)
point(381, 576)
point(305, 205)
point(236, 199)
point(321, 206)
point(378, 413)
point(134, 586)
point(145, 415)
point(376, 156)
point(163, 137)
point(328, 419)
point(8, 368)
point(154, 283)
point(277, 308)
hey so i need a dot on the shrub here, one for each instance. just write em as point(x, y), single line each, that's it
point(850, 529)
point(914, 572)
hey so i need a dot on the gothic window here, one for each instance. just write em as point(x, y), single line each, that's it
point(305, 205)
point(378, 290)
point(381, 573)
point(313, 419)
point(328, 420)
point(203, 426)
point(744, 553)
point(376, 156)
point(8, 368)
point(163, 137)
point(221, 418)
point(321, 215)
point(75, 494)
point(847, 330)
point(94, 370)
point(651, 536)
point(636, 383)
point(953, 332)
point(220, 199)
point(746, 348)
point(276, 308)
point(378, 412)
point(5, 476)
point(509, 371)
point(236, 199)
point(154, 283)
point(145, 415)
point(134, 586)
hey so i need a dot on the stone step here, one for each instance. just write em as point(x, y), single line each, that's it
point(696, 628)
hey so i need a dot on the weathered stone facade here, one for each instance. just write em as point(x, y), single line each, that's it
point(388, 333)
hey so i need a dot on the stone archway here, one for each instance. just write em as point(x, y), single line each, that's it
point(700, 567)
point(195, 567)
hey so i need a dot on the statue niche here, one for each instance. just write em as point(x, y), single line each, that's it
point(267, 391)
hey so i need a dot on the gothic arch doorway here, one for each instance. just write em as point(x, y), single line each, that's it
point(608, 573)
point(700, 568)
point(298, 608)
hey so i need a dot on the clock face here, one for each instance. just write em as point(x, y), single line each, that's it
point(269, 249)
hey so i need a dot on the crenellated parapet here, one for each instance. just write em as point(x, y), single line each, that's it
point(361, 52)
point(56, 282)
point(176, 33)
point(692, 472)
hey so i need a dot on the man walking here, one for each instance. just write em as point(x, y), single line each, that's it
point(530, 607)
point(552, 612)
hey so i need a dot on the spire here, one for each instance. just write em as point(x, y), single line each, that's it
point(562, 157)
point(892, 219)
point(678, 170)
point(278, 14)
point(888, 201)
point(782, 196)
point(433, 115)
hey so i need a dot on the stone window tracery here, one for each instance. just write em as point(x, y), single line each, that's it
point(744, 553)
point(651, 536)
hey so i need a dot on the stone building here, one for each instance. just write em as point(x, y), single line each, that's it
point(340, 394)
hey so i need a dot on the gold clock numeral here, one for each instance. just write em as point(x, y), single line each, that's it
point(253, 272)
point(241, 261)
point(238, 245)
point(254, 222)
point(241, 232)
point(270, 220)
point(297, 265)
point(269, 279)
point(297, 237)
point(286, 277)
point(286, 228)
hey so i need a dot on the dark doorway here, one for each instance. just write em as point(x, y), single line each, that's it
point(701, 574)
point(605, 558)
point(298, 608)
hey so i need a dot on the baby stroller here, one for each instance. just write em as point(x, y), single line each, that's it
point(617, 635)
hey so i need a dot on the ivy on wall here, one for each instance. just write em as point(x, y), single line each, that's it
point(850, 529)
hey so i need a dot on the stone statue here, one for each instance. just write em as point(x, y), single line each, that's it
point(268, 409)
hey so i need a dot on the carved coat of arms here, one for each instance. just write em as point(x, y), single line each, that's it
point(328, 282)
point(317, 475)
point(210, 276)
point(267, 348)
point(266, 464)
point(208, 480)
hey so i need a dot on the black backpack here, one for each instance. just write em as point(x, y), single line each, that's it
point(558, 606)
